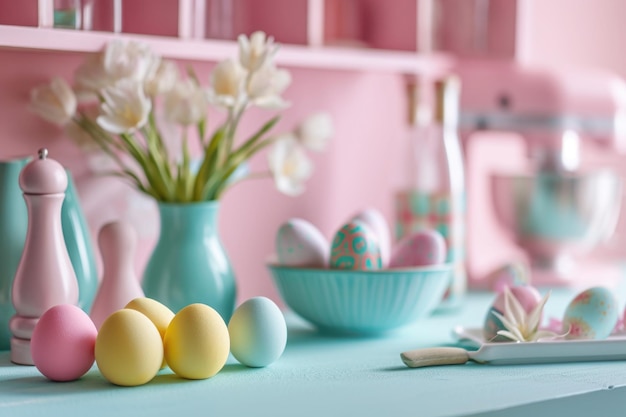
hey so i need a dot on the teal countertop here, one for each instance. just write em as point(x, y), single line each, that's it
point(323, 376)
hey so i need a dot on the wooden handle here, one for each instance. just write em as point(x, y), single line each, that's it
point(435, 356)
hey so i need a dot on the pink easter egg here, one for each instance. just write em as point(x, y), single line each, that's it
point(528, 298)
point(355, 247)
point(508, 275)
point(63, 343)
point(426, 247)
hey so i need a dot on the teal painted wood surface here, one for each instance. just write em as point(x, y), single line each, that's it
point(323, 376)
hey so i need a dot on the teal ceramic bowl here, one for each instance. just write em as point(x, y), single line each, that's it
point(361, 302)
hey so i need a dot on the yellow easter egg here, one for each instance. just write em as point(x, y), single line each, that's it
point(197, 342)
point(159, 314)
point(129, 348)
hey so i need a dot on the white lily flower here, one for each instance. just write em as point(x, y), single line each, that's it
point(119, 60)
point(125, 107)
point(186, 103)
point(162, 79)
point(55, 102)
point(315, 131)
point(256, 51)
point(290, 165)
point(522, 327)
point(227, 80)
point(266, 85)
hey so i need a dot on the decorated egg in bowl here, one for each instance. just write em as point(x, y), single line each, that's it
point(355, 247)
point(300, 244)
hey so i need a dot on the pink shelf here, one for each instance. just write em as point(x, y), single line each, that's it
point(331, 58)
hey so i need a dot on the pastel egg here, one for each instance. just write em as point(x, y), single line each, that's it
point(258, 332)
point(159, 315)
point(592, 314)
point(355, 247)
point(426, 247)
point(299, 243)
point(527, 296)
point(197, 342)
point(377, 224)
point(129, 349)
point(62, 344)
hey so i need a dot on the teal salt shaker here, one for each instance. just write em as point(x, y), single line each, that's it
point(79, 246)
point(13, 225)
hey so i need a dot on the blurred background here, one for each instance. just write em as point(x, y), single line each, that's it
point(366, 163)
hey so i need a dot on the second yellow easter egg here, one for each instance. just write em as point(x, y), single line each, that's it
point(196, 342)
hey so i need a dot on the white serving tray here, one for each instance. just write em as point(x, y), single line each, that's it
point(612, 348)
point(512, 353)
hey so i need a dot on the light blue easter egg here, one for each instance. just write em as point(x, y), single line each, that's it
point(592, 314)
point(258, 332)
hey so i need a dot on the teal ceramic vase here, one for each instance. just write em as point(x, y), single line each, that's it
point(189, 264)
point(13, 225)
point(79, 246)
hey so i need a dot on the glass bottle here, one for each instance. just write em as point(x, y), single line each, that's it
point(102, 15)
point(434, 197)
point(67, 14)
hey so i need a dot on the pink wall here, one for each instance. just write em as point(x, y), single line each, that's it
point(580, 33)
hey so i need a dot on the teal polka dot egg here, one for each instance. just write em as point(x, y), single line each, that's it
point(592, 314)
point(355, 247)
point(300, 244)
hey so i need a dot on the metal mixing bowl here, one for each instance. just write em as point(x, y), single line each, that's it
point(552, 214)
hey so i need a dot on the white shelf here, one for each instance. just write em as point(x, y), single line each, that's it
point(330, 58)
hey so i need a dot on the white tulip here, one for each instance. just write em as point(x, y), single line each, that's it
point(55, 102)
point(255, 52)
point(290, 165)
point(315, 131)
point(227, 80)
point(118, 61)
point(162, 79)
point(125, 107)
point(266, 85)
point(186, 103)
point(90, 77)
point(131, 60)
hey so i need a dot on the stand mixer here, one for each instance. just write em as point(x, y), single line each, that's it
point(555, 208)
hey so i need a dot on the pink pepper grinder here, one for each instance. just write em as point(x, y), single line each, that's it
point(119, 285)
point(45, 276)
